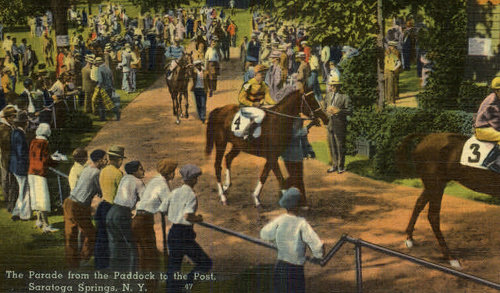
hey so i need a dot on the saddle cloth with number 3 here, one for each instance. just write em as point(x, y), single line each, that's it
point(240, 123)
point(475, 152)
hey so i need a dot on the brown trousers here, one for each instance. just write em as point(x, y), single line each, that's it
point(145, 241)
point(77, 216)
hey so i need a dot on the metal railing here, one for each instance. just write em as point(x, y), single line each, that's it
point(358, 244)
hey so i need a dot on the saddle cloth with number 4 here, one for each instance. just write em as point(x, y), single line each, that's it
point(241, 122)
point(480, 154)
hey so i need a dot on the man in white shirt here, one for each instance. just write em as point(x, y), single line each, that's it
point(291, 234)
point(156, 192)
point(122, 250)
point(212, 58)
point(181, 208)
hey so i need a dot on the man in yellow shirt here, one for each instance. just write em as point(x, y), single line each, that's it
point(109, 179)
point(253, 95)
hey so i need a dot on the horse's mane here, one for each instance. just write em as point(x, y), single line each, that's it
point(284, 94)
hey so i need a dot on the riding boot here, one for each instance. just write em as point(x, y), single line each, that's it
point(250, 130)
point(492, 160)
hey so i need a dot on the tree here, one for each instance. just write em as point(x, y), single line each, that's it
point(147, 5)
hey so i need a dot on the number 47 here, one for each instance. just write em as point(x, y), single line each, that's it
point(188, 286)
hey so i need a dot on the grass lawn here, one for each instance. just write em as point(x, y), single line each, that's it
point(361, 165)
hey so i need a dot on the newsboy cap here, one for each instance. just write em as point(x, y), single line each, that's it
point(190, 171)
point(290, 198)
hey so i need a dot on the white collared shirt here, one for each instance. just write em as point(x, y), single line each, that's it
point(129, 191)
point(182, 201)
point(291, 234)
point(155, 193)
point(211, 55)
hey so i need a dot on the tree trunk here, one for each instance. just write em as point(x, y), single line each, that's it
point(380, 56)
point(59, 12)
point(89, 3)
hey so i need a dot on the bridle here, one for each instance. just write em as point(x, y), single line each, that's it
point(303, 104)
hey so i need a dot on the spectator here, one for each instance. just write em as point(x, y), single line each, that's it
point(80, 158)
point(391, 73)
point(338, 107)
point(30, 60)
point(123, 254)
point(212, 59)
point(155, 194)
point(48, 50)
point(88, 85)
point(18, 165)
point(181, 208)
point(9, 186)
point(291, 234)
point(39, 162)
point(325, 58)
point(252, 51)
point(77, 212)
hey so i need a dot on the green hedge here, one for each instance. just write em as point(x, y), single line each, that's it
point(387, 128)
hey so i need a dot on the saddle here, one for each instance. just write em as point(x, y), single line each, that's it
point(481, 154)
point(241, 123)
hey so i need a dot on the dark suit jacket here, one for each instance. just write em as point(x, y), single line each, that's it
point(5, 134)
point(342, 102)
point(19, 153)
point(205, 80)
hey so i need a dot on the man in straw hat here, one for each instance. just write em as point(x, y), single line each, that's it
point(9, 185)
point(254, 94)
point(88, 85)
point(392, 65)
point(292, 234)
point(101, 99)
point(338, 107)
point(487, 124)
point(303, 72)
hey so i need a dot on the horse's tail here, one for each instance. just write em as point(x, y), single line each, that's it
point(211, 131)
point(402, 153)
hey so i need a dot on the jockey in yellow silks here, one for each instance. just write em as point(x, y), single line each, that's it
point(488, 116)
point(254, 94)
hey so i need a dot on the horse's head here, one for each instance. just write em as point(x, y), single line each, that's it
point(311, 108)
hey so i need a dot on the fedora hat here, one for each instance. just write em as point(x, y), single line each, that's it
point(9, 111)
point(117, 151)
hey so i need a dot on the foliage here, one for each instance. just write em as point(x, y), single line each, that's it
point(157, 5)
point(385, 129)
point(359, 75)
point(470, 96)
point(446, 44)
point(14, 12)
point(78, 122)
point(341, 22)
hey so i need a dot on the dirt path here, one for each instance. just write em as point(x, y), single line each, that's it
point(347, 203)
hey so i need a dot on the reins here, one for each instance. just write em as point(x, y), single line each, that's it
point(303, 101)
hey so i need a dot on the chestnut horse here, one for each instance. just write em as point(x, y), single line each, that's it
point(276, 134)
point(178, 85)
point(437, 161)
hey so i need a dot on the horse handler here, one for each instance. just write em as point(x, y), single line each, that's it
point(212, 58)
point(291, 234)
point(181, 208)
point(200, 88)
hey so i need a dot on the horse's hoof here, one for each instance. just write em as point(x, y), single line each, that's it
point(455, 264)
point(223, 202)
point(409, 243)
point(187, 115)
point(177, 122)
point(182, 115)
point(225, 187)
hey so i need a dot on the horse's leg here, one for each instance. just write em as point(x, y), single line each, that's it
point(262, 180)
point(229, 159)
point(186, 97)
point(220, 146)
point(435, 221)
point(279, 176)
point(177, 107)
point(422, 201)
